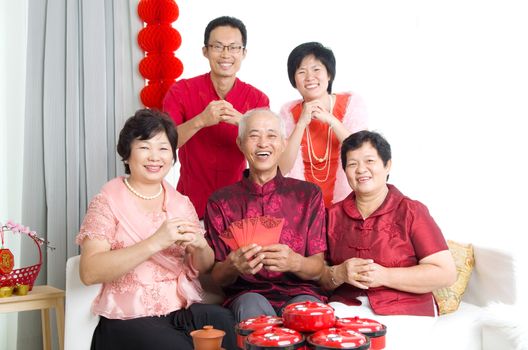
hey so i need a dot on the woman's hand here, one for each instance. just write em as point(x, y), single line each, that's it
point(315, 110)
point(374, 277)
point(306, 113)
point(355, 271)
point(198, 241)
point(181, 232)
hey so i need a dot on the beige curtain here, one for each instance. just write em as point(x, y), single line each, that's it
point(82, 84)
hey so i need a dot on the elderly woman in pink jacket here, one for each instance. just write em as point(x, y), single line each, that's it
point(142, 240)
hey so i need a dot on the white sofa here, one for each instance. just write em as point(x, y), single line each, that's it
point(493, 281)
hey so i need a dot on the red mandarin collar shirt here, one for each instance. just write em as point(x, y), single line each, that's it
point(300, 203)
point(210, 159)
point(398, 234)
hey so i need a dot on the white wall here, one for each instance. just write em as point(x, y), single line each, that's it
point(446, 83)
point(13, 21)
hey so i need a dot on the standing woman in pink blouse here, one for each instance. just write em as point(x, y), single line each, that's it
point(317, 123)
point(142, 240)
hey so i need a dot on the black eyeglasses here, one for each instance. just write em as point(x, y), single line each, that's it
point(230, 48)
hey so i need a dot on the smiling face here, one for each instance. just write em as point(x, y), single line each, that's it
point(311, 79)
point(262, 144)
point(365, 171)
point(150, 160)
point(224, 64)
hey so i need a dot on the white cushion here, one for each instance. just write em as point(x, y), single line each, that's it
point(493, 278)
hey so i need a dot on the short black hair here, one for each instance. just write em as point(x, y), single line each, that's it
point(225, 21)
point(357, 139)
point(320, 52)
point(144, 125)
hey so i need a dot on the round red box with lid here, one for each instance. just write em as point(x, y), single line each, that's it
point(246, 327)
point(371, 328)
point(308, 316)
point(272, 337)
point(338, 338)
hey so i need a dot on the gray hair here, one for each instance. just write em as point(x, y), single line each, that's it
point(243, 120)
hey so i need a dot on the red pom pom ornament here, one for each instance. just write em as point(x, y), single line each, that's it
point(160, 66)
point(159, 40)
point(158, 11)
point(159, 37)
point(152, 94)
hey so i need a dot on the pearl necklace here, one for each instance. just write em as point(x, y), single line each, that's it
point(148, 198)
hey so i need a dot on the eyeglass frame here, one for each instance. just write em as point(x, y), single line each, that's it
point(230, 48)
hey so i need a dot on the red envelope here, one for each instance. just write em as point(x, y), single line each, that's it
point(262, 230)
point(228, 239)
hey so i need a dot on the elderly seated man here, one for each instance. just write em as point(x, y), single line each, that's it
point(257, 278)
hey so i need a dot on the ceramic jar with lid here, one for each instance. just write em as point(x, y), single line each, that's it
point(207, 338)
point(338, 338)
point(246, 327)
point(308, 316)
point(371, 328)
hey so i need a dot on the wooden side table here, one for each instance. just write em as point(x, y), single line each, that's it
point(41, 298)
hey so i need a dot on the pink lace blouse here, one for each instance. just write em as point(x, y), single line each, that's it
point(160, 285)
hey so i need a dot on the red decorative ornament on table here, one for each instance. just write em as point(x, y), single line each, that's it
point(18, 280)
point(159, 40)
point(7, 260)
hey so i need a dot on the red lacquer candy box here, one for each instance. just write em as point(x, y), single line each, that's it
point(308, 316)
point(371, 328)
point(338, 338)
point(271, 338)
point(246, 327)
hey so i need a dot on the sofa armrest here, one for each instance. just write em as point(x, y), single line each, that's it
point(80, 323)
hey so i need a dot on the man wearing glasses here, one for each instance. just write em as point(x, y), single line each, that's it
point(206, 110)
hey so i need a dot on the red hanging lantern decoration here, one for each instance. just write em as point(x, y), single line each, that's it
point(158, 11)
point(160, 67)
point(152, 94)
point(159, 38)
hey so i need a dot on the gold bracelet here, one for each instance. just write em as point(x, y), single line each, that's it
point(332, 272)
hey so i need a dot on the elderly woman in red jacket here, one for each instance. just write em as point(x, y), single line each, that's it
point(385, 251)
